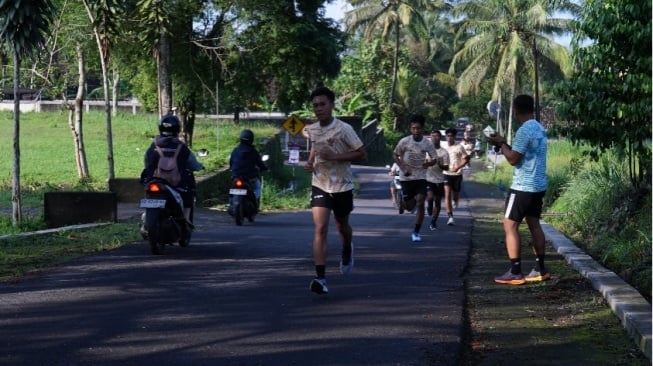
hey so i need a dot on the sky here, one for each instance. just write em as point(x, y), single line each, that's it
point(335, 9)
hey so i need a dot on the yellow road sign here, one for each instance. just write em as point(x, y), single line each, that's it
point(293, 124)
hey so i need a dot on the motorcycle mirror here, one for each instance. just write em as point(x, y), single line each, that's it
point(265, 157)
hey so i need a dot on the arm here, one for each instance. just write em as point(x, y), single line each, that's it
point(311, 159)
point(513, 157)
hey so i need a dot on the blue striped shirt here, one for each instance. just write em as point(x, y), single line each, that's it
point(530, 173)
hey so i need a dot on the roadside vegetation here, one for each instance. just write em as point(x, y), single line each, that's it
point(594, 204)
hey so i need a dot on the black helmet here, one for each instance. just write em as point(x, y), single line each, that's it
point(247, 137)
point(169, 125)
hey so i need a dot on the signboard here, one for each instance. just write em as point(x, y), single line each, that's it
point(293, 124)
point(293, 155)
point(487, 131)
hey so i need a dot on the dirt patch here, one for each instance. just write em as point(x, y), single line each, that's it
point(563, 321)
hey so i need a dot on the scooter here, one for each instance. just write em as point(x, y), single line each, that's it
point(398, 196)
point(163, 219)
point(242, 202)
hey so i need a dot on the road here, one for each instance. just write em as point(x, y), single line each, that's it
point(239, 296)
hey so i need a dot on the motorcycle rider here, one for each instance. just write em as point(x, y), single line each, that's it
point(246, 163)
point(168, 141)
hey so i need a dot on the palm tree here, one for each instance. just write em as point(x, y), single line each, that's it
point(504, 37)
point(23, 24)
point(389, 18)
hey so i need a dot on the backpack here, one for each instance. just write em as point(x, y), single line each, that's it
point(167, 167)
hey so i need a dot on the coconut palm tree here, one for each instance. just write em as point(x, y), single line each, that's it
point(504, 38)
point(387, 18)
point(23, 24)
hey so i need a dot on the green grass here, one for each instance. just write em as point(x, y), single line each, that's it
point(20, 256)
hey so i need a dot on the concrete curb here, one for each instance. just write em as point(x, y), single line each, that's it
point(629, 306)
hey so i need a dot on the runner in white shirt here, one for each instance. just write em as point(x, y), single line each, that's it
point(458, 158)
point(435, 179)
point(411, 156)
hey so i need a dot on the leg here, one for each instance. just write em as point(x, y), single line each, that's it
point(344, 230)
point(392, 193)
point(448, 192)
point(419, 203)
point(513, 241)
point(321, 221)
point(537, 234)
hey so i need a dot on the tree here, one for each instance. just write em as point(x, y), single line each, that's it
point(23, 24)
point(503, 38)
point(608, 97)
point(388, 18)
point(282, 50)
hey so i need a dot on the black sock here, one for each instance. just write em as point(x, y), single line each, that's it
point(515, 266)
point(433, 220)
point(320, 270)
point(539, 263)
point(429, 207)
point(417, 227)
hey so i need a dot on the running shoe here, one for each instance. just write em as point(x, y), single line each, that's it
point(433, 226)
point(415, 237)
point(537, 276)
point(347, 268)
point(450, 222)
point(319, 286)
point(509, 278)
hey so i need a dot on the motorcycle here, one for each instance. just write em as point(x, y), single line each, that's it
point(242, 202)
point(398, 196)
point(163, 221)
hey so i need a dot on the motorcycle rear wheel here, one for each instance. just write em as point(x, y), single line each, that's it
point(398, 199)
point(156, 248)
point(238, 213)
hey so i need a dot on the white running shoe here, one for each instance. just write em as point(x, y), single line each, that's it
point(450, 222)
point(319, 286)
point(347, 268)
point(415, 237)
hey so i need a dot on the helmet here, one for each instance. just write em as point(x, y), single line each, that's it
point(247, 137)
point(169, 125)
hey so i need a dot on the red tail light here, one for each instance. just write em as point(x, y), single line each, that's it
point(154, 187)
point(239, 183)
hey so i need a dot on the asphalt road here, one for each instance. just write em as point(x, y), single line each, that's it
point(239, 296)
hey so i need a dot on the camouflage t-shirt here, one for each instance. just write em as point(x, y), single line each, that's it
point(414, 154)
point(434, 174)
point(329, 175)
point(457, 156)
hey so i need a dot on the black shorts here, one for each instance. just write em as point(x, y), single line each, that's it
point(521, 204)
point(342, 203)
point(436, 188)
point(411, 188)
point(453, 181)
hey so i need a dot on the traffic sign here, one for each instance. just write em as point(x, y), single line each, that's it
point(293, 124)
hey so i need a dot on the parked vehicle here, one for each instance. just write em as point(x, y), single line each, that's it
point(243, 202)
point(398, 195)
point(163, 219)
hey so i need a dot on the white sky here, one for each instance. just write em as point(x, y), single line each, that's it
point(335, 10)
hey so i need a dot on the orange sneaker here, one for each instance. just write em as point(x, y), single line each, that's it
point(509, 278)
point(537, 276)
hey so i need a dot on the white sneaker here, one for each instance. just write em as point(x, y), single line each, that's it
point(450, 221)
point(346, 269)
point(319, 286)
point(415, 237)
